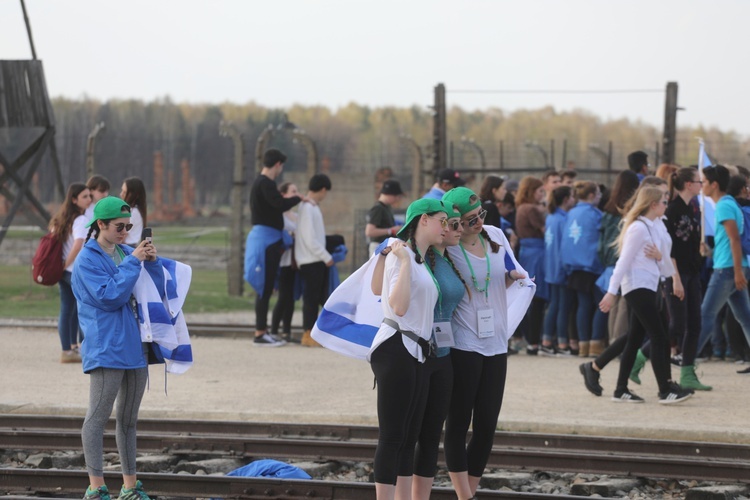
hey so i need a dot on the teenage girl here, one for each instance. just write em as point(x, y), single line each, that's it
point(134, 193)
point(560, 201)
point(104, 276)
point(530, 215)
point(418, 466)
point(581, 262)
point(644, 257)
point(284, 308)
point(69, 225)
point(409, 294)
point(481, 333)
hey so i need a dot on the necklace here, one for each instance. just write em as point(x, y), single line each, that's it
point(475, 242)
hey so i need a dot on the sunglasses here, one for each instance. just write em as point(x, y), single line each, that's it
point(443, 222)
point(120, 226)
point(475, 220)
point(455, 225)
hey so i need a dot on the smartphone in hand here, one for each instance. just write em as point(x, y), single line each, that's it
point(146, 234)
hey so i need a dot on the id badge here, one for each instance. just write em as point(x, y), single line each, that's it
point(485, 323)
point(443, 334)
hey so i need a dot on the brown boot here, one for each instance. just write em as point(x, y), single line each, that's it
point(583, 348)
point(308, 341)
point(596, 347)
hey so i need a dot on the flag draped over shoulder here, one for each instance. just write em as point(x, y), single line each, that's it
point(352, 314)
point(160, 299)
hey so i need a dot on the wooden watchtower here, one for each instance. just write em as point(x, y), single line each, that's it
point(27, 130)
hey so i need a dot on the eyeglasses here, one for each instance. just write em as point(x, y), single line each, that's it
point(443, 222)
point(475, 220)
point(120, 226)
point(664, 202)
point(455, 225)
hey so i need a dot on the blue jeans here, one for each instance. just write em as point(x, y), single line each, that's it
point(721, 290)
point(67, 324)
point(556, 319)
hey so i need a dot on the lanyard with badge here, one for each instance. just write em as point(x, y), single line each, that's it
point(485, 317)
point(441, 332)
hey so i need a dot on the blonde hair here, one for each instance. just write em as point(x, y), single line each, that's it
point(645, 196)
point(584, 189)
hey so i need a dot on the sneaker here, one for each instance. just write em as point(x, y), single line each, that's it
point(70, 357)
point(676, 360)
point(625, 396)
point(532, 351)
point(746, 370)
point(675, 394)
point(276, 337)
point(591, 378)
point(565, 353)
point(547, 350)
point(134, 493)
point(101, 493)
point(266, 340)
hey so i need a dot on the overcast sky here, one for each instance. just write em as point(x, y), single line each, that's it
point(388, 52)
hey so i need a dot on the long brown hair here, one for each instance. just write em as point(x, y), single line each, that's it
point(526, 190)
point(136, 196)
point(62, 222)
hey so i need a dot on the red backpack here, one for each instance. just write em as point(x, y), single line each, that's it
point(47, 266)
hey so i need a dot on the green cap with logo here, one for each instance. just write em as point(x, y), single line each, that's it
point(419, 208)
point(110, 208)
point(464, 198)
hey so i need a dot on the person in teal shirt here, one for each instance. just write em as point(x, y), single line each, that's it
point(728, 282)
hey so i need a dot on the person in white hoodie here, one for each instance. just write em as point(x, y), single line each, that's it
point(310, 252)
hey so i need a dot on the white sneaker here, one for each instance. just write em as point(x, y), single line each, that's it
point(266, 340)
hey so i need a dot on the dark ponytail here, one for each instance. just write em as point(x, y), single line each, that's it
point(678, 180)
point(495, 247)
point(557, 197)
point(455, 270)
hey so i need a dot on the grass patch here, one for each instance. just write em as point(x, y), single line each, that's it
point(20, 297)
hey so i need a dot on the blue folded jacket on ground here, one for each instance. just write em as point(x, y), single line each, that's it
point(270, 468)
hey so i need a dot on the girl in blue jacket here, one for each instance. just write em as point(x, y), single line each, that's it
point(561, 200)
point(114, 356)
point(581, 261)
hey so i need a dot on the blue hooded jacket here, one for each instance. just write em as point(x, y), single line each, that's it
point(580, 239)
point(102, 289)
point(553, 237)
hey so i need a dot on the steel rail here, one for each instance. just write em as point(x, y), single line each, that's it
point(623, 457)
point(64, 482)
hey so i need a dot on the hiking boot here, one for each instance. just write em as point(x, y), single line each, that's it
point(70, 357)
point(308, 341)
point(134, 493)
point(689, 379)
point(675, 394)
point(591, 378)
point(583, 348)
point(640, 362)
point(625, 396)
point(596, 347)
point(266, 340)
point(101, 493)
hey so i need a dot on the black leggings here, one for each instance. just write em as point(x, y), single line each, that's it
point(645, 319)
point(273, 257)
point(399, 379)
point(284, 309)
point(314, 292)
point(478, 386)
point(427, 423)
point(685, 316)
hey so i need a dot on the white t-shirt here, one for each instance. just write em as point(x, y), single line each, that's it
point(77, 232)
point(419, 316)
point(134, 235)
point(465, 323)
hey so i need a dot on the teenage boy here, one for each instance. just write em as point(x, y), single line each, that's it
point(380, 221)
point(728, 282)
point(310, 252)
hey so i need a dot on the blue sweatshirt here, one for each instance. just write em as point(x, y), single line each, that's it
point(553, 237)
point(581, 239)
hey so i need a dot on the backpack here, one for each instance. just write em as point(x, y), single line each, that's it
point(47, 265)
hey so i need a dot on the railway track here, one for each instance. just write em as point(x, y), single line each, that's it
point(515, 451)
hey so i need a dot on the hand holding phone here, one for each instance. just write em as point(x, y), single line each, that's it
point(146, 234)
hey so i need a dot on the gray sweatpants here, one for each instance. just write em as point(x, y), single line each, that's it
point(127, 386)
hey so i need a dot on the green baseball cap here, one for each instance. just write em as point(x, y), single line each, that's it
point(452, 210)
point(418, 208)
point(109, 208)
point(464, 198)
